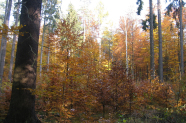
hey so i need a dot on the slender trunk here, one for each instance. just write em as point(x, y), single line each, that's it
point(126, 47)
point(181, 40)
point(4, 40)
point(160, 44)
point(84, 30)
point(132, 53)
point(152, 67)
point(109, 56)
point(14, 43)
point(22, 104)
point(41, 57)
point(147, 71)
point(48, 58)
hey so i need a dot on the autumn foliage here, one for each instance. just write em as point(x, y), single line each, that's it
point(83, 83)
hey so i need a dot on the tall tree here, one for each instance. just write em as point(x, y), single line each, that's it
point(181, 40)
point(4, 38)
point(176, 8)
point(160, 44)
point(41, 56)
point(86, 15)
point(22, 104)
point(152, 66)
point(14, 41)
point(50, 13)
point(152, 25)
point(101, 15)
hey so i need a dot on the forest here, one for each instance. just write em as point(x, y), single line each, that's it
point(67, 68)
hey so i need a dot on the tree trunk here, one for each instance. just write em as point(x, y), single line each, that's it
point(41, 57)
point(152, 67)
point(181, 40)
point(160, 44)
point(4, 39)
point(13, 44)
point(22, 104)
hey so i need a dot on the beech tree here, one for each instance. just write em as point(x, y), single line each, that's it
point(22, 104)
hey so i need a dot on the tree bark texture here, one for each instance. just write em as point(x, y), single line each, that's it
point(160, 44)
point(181, 40)
point(152, 67)
point(22, 104)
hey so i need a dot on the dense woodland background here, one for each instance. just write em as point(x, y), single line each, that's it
point(85, 76)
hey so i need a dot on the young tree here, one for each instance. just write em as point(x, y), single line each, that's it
point(22, 104)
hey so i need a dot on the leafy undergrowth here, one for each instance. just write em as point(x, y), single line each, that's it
point(129, 102)
point(151, 116)
point(143, 102)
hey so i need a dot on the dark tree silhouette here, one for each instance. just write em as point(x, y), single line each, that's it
point(22, 105)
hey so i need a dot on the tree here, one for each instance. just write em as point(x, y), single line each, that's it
point(22, 104)
point(106, 43)
point(176, 8)
point(160, 44)
point(50, 13)
point(14, 42)
point(86, 15)
point(181, 40)
point(72, 17)
point(140, 7)
point(151, 42)
point(4, 38)
point(151, 21)
point(101, 16)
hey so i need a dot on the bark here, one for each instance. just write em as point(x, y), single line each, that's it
point(13, 44)
point(160, 44)
point(152, 67)
point(4, 39)
point(181, 40)
point(22, 104)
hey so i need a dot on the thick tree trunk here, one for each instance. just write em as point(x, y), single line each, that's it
point(160, 44)
point(22, 105)
point(13, 44)
point(4, 39)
